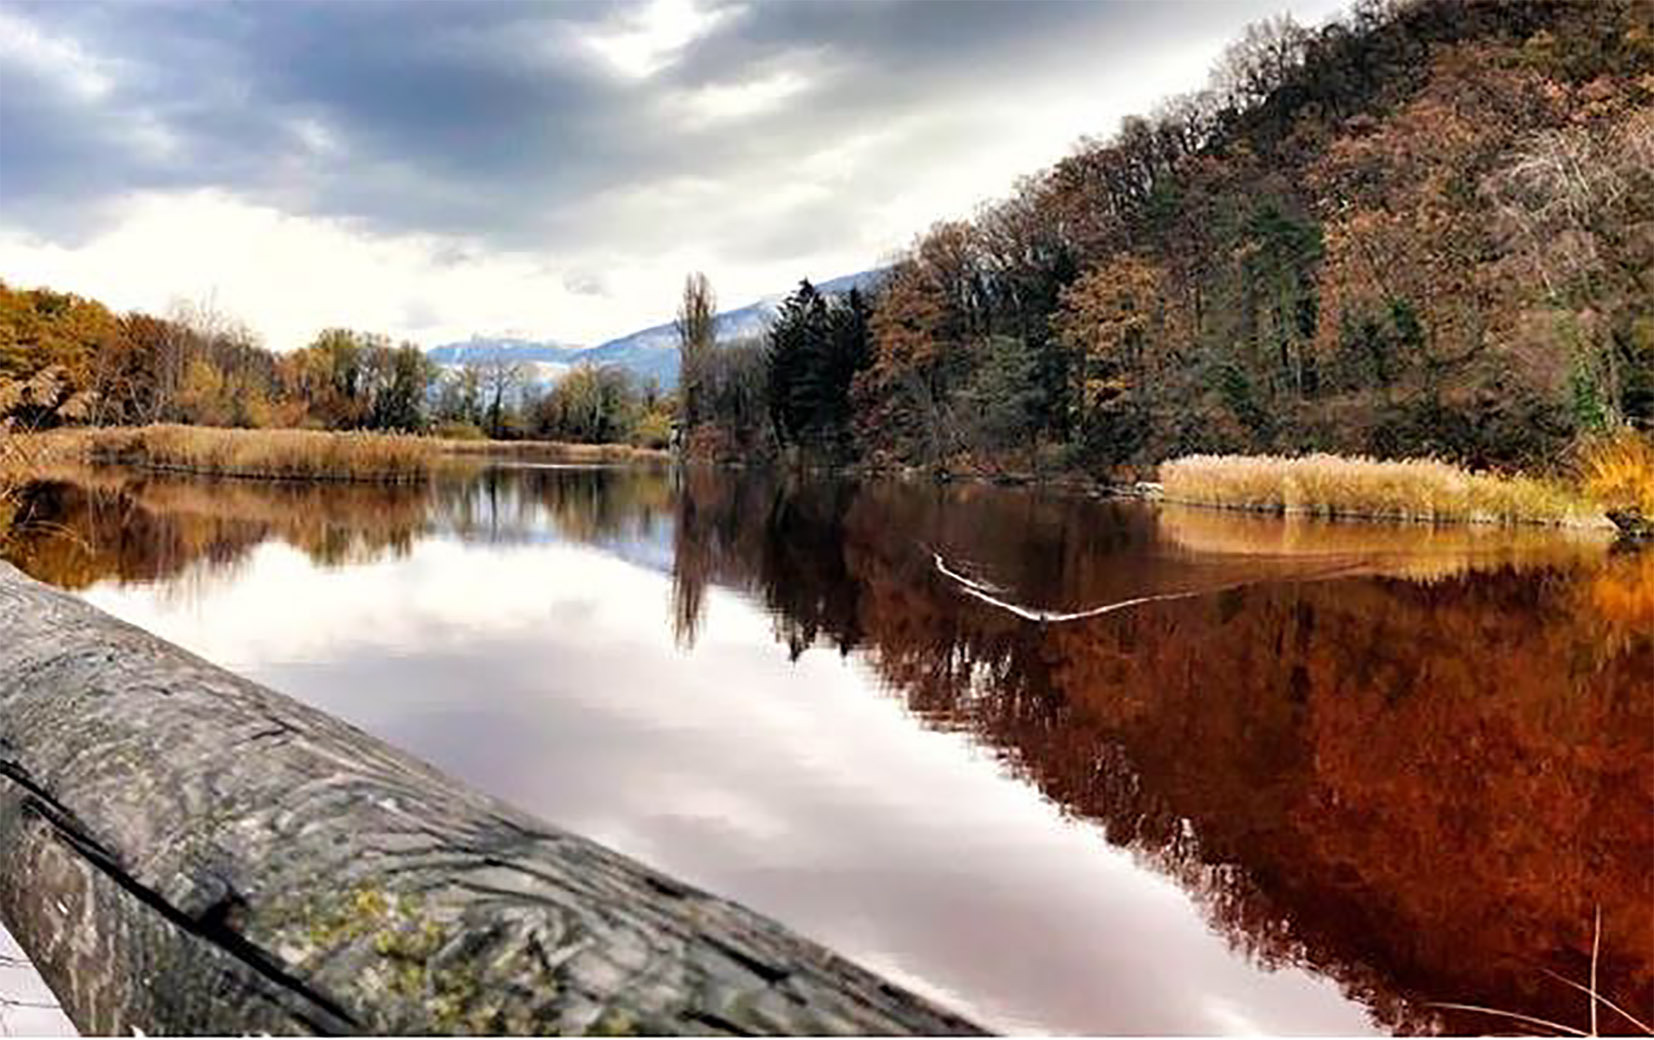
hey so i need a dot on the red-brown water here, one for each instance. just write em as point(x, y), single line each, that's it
point(1311, 778)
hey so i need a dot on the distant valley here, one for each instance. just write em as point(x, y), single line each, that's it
point(650, 353)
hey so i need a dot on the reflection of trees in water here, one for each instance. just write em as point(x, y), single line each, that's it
point(97, 524)
point(1422, 788)
point(1420, 785)
point(737, 528)
point(517, 503)
point(84, 524)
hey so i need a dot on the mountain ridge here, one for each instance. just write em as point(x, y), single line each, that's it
point(648, 353)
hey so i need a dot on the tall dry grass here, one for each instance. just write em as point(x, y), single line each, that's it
point(1409, 489)
point(263, 454)
point(1617, 471)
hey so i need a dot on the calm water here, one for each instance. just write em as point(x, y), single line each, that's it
point(1334, 773)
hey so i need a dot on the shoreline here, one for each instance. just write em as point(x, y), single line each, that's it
point(1324, 487)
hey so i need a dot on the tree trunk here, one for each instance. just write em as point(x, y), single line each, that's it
point(188, 852)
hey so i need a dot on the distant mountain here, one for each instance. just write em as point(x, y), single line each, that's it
point(650, 353)
point(479, 348)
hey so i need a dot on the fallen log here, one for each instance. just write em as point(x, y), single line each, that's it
point(186, 851)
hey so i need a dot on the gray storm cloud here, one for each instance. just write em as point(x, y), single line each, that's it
point(508, 124)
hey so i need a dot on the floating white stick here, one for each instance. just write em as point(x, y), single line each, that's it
point(985, 594)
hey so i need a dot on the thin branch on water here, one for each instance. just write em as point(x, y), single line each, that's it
point(985, 593)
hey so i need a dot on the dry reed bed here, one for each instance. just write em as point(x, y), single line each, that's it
point(1335, 486)
point(1618, 471)
point(260, 454)
point(287, 454)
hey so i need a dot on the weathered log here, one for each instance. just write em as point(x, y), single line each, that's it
point(186, 851)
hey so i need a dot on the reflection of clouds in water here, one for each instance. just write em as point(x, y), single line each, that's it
point(1245, 748)
point(548, 675)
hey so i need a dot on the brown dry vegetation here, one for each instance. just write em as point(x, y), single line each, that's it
point(1618, 472)
point(295, 454)
point(1409, 489)
point(261, 454)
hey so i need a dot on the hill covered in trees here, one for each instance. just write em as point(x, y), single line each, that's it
point(1424, 228)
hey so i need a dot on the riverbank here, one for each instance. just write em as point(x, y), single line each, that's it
point(1612, 485)
point(1336, 487)
point(1608, 484)
point(249, 454)
point(313, 455)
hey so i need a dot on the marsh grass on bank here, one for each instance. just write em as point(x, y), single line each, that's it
point(261, 454)
point(293, 454)
point(1424, 490)
point(1617, 471)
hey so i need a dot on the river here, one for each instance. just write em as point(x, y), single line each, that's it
point(1063, 764)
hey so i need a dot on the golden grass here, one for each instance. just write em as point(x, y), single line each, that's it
point(287, 454)
point(262, 454)
point(1617, 472)
point(1409, 489)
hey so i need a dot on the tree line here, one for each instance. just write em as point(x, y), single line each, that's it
point(64, 358)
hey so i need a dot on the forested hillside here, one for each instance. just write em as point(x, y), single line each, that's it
point(1423, 229)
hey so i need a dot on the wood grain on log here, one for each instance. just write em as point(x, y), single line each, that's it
point(186, 851)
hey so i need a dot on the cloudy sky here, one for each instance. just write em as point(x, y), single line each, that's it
point(432, 170)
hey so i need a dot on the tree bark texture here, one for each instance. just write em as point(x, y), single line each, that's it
point(185, 851)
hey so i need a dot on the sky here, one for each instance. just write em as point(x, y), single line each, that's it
point(433, 170)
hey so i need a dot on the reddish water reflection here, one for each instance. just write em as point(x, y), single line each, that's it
point(1414, 762)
